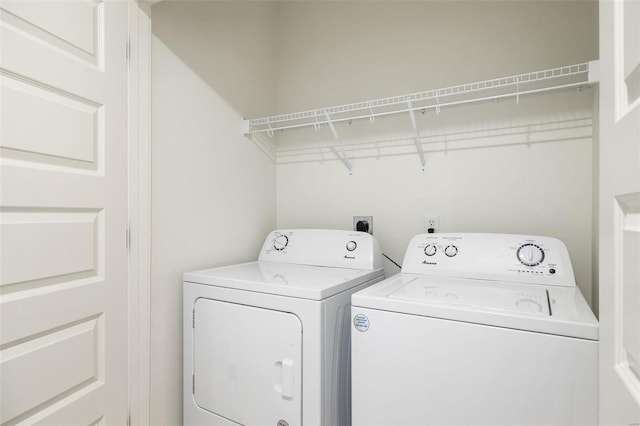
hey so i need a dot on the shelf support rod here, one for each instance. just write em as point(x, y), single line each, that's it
point(412, 115)
point(343, 158)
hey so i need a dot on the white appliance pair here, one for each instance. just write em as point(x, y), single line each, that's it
point(479, 329)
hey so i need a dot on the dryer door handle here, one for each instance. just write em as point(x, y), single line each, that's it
point(288, 378)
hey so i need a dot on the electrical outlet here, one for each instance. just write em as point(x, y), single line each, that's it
point(431, 223)
point(363, 223)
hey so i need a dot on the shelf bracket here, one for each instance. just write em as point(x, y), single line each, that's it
point(246, 127)
point(593, 72)
point(417, 134)
point(342, 156)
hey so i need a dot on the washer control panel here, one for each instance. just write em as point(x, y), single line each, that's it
point(322, 247)
point(500, 257)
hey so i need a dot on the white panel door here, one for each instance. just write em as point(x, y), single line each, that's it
point(63, 212)
point(248, 363)
point(619, 278)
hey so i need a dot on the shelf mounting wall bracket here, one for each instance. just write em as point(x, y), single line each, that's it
point(417, 134)
point(342, 155)
point(593, 73)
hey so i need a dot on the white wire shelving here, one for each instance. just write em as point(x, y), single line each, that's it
point(570, 77)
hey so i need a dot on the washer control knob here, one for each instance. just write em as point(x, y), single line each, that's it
point(530, 254)
point(351, 245)
point(430, 250)
point(281, 242)
point(451, 250)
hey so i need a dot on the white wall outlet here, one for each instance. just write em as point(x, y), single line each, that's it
point(363, 223)
point(431, 223)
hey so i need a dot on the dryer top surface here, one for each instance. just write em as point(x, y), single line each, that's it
point(300, 281)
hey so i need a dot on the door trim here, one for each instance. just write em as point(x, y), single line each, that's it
point(139, 210)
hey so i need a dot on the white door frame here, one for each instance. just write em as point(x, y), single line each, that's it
point(139, 198)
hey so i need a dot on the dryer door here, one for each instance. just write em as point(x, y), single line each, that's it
point(247, 363)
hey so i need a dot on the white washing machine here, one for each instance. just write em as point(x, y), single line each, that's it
point(266, 343)
point(477, 329)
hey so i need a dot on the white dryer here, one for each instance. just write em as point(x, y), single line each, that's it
point(477, 329)
point(266, 343)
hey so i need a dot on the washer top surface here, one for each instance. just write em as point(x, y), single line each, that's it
point(490, 279)
point(498, 297)
point(300, 281)
point(553, 310)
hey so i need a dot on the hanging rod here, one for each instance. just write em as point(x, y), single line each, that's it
point(554, 79)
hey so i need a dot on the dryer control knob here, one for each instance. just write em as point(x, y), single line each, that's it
point(530, 254)
point(281, 242)
point(451, 251)
point(351, 245)
point(430, 250)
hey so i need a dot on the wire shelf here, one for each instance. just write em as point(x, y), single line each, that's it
point(515, 86)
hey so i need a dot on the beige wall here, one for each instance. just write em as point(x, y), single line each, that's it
point(506, 167)
point(502, 167)
point(213, 191)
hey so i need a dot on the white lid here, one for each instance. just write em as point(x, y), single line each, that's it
point(509, 305)
point(301, 281)
point(498, 297)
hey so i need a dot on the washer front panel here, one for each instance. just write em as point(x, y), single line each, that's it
point(412, 370)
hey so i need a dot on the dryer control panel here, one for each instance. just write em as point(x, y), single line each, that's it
point(500, 257)
point(323, 247)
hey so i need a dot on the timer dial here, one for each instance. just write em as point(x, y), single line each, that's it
point(430, 250)
point(280, 242)
point(451, 251)
point(530, 254)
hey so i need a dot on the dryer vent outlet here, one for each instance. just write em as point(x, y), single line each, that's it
point(363, 224)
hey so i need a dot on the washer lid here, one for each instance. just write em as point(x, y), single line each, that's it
point(302, 281)
point(496, 297)
point(530, 307)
